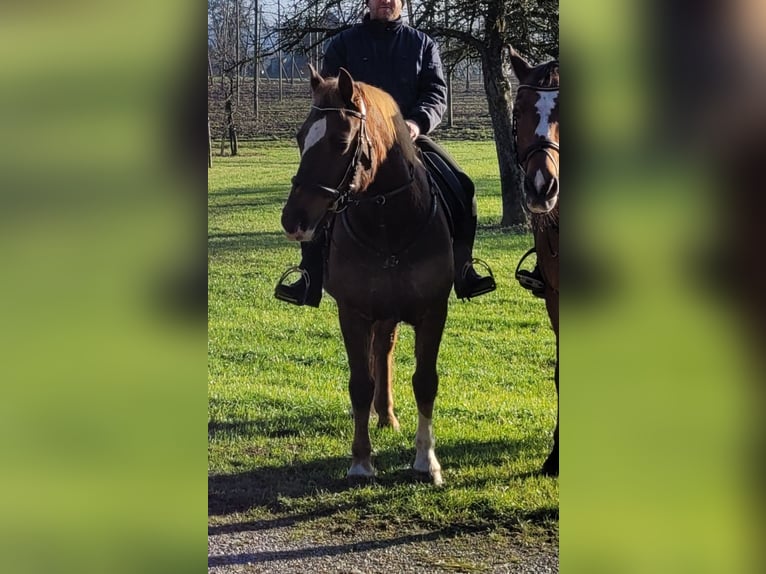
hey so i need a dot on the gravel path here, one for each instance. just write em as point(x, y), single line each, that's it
point(276, 546)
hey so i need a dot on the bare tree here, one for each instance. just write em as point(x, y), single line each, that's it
point(472, 29)
point(481, 30)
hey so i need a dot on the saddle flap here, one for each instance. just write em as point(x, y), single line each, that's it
point(448, 187)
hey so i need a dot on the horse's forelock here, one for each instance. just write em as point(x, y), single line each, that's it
point(385, 124)
point(547, 75)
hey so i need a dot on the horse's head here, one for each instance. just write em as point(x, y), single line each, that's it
point(536, 131)
point(334, 145)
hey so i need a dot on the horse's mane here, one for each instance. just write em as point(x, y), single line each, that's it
point(385, 127)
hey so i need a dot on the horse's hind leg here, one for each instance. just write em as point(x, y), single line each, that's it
point(357, 336)
point(551, 464)
point(425, 383)
point(383, 342)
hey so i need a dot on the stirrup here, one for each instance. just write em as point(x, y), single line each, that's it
point(282, 296)
point(488, 287)
point(525, 277)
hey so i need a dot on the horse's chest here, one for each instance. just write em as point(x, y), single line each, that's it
point(382, 289)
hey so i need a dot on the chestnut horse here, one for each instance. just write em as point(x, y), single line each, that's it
point(389, 255)
point(536, 133)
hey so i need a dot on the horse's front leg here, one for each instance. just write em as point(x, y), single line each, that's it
point(551, 464)
point(425, 383)
point(357, 336)
point(383, 343)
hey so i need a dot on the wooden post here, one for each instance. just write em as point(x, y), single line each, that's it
point(279, 51)
point(468, 76)
point(209, 145)
point(450, 119)
point(450, 115)
point(237, 40)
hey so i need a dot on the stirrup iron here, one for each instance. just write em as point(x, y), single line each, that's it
point(281, 282)
point(524, 277)
point(488, 286)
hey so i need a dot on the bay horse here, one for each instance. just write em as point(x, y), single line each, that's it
point(389, 257)
point(536, 133)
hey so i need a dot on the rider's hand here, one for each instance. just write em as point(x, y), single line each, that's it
point(414, 129)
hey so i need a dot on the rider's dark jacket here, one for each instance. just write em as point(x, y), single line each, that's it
point(399, 59)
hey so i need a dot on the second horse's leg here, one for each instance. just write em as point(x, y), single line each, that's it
point(383, 343)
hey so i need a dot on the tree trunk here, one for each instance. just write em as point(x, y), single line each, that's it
point(500, 100)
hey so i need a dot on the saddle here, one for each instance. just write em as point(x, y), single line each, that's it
point(450, 189)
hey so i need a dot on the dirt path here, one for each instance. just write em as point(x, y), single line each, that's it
point(277, 546)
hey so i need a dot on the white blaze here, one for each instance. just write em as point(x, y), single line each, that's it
point(545, 105)
point(316, 133)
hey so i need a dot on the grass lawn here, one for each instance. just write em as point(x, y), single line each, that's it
point(279, 425)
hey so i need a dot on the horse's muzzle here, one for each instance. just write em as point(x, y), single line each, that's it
point(295, 222)
point(541, 198)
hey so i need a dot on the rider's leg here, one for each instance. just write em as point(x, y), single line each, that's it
point(468, 283)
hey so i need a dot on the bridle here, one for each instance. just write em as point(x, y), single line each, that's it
point(341, 194)
point(544, 145)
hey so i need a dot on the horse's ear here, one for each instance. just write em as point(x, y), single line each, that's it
point(520, 66)
point(346, 86)
point(316, 79)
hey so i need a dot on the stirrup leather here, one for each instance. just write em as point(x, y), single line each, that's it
point(525, 277)
point(282, 296)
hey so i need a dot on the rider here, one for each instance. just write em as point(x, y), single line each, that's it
point(386, 53)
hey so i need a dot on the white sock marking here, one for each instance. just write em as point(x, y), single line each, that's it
point(360, 470)
point(425, 457)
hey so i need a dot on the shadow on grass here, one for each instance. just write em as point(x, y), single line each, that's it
point(271, 195)
point(228, 493)
point(247, 241)
point(271, 486)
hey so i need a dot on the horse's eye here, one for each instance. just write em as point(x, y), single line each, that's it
point(339, 143)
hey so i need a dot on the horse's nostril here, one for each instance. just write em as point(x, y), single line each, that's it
point(294, 220)
point(553, 188)
point(529, 186)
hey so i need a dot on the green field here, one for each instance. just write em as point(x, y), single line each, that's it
point(279, 425)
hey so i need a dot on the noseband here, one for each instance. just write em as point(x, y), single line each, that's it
point(544, 145)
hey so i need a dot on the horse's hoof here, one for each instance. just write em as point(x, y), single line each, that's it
point(434, 477)
point(551, 467)
point(355, 481)
point(388, 422)
point(360, 475)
